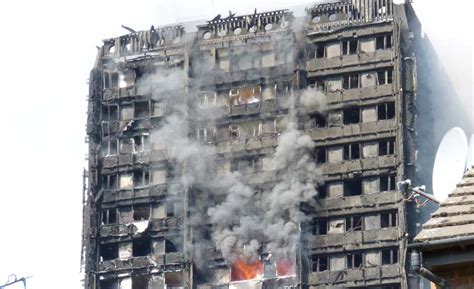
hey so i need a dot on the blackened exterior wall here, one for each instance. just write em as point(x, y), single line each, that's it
point(234, 85)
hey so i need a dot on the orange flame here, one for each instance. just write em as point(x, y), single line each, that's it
point(246, 271)
point(285, 267)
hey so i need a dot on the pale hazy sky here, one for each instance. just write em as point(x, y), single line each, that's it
point(47, 50)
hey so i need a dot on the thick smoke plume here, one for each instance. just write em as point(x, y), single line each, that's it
point(246, 221)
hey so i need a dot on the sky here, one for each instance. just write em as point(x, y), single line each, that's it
point(48, 48)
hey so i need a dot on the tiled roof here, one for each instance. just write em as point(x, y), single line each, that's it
point(455, 217)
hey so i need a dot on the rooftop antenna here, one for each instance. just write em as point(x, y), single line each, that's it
point(450, 163)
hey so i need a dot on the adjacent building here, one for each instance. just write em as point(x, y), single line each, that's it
point(345, 74)
point(443, 250)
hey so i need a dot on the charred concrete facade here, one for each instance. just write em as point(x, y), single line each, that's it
point(344, 75)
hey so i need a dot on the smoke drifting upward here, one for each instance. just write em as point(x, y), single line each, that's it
point(246, 220)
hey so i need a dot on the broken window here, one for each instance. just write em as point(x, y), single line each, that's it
point(316, 50)
point(388, 219)
point(352, 187)
point(353, 223)
point(321, 155)
point(114, 79)
point(234, 131)
point(383, 42)
point(141, 247)
point(110, 113)
point(311, 51)
point(126, 146)
point(141, 212)
point(354, 260)
point(320, 48)
point(283, 88)
point(109, 251)
point(110, 182)
point(317, 120)
point(140, 282)
point(106, 80)
point(127, 78)
point(109, 148)
point(386, 110)
point(351, 115)
point(319, 85)
point(249, 95)
point(173, 209)
point(389, 256)
point(350, 81)
point(125, 250)
point(322, 191)
point(384, 77)
point(352, 152)
point(349, 47)
point(109, 216)
point(171, 246)
point(207, 135)
point(105, 129)
point(387, 147)
point(268, 91)
point(319, 263)
point(109, 284)
point(207, 99)
point(246, 165)
point(141, 143)
point(142, 109)
point(141, 178)
point(387, 183)
point(320, 226)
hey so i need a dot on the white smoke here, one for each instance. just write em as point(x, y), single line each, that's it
point(246, 220)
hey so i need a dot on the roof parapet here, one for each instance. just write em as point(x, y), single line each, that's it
point(328, 16)
point(246, 24)
point(143, 41)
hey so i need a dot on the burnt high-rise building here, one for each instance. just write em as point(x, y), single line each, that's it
point(262, 151)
